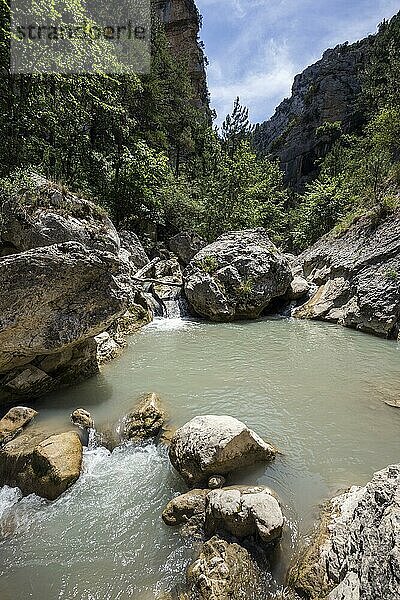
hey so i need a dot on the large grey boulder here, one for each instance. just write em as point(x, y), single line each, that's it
point(42, 465)
point(244, 511)
point(357, 276)
point(186, 245)
point(215, 445)
point(355, 552)
point(237, 276)
point(43, 213)
point(54, 300)
point(223, 571)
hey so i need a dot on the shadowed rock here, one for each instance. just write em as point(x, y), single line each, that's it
point(354, 553)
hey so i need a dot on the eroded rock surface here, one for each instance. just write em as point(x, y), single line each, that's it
point(82, 418)
point(358, 277)
point(54, 300)
point(146, 420)
point(237, 276)
point(215, 445)
point(244, 511)
point(223, 571)
point(355, 552)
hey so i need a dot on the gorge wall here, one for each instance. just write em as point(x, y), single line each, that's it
point(327, 91)
point(182, 22)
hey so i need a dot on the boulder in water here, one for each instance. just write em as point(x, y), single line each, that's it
point(187, 510)
point(222, 571)
point(244, 511)
point(66, 295)
point(146, 420)
point(41, 465)
point(215, 445)
point(237, 276)
point(14, 421)
point(82, 418)
point(355, 551)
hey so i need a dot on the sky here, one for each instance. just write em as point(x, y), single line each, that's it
point(256, 47)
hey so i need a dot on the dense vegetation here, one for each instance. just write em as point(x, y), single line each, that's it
point(361, 173)
point(141, 147)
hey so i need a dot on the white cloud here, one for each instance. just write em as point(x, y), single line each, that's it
point(269, 78)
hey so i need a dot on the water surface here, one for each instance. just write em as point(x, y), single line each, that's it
point(315, 390)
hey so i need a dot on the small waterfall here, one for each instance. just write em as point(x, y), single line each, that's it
point(92, 441)
point(175, 308)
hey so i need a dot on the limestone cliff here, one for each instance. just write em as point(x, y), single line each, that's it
point(182, 23)
point(327, 91)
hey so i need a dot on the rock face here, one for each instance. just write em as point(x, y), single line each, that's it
point(146, 420)
point(358, 277)
point(14, 421)
point(326, 92)
point(237, 276)
point(42, 465)
point(182, 23)
point(222, 571)
point(214, 445)
point(64, 281)
point(243, 512)
point(355, 553)
point(186, 245)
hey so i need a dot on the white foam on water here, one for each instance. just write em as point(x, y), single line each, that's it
point(170, 324)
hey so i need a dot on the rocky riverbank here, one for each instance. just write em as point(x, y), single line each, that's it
point(356, 276)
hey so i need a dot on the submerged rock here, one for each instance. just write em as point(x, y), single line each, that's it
point(355, 552)
point(14, 421)
point(358, 277)
point(186, 245)
point(244, 511)
point(223, 571)
point(82, 418)
point(215, 445)
point(41, 465)
point(146, 420)
point(237, 276)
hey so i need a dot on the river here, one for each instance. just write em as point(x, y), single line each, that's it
point(313, 389)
